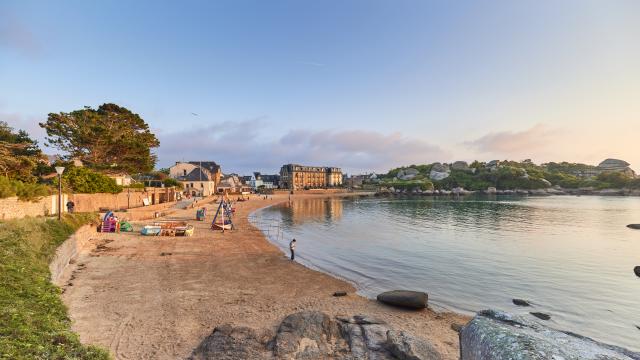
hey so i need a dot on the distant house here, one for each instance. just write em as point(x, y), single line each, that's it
point(121, 179)
point(232, 184)
point(200, 178)
point(258, 180)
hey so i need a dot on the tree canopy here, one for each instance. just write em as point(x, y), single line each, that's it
point(87, 181)
point(19, 154)
point(110, 137)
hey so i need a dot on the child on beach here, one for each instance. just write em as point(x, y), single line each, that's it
point(292, 247)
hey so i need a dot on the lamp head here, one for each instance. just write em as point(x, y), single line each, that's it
point(59, 170)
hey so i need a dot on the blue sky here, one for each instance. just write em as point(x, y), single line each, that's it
point(366, 85)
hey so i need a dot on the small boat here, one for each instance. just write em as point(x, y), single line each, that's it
point(219, 226)
point(151, 230)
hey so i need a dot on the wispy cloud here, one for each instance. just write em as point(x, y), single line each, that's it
point(15, 35)
point(514, 143)
point(239, 147)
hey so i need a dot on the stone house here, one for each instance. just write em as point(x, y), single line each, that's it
point(200, 178)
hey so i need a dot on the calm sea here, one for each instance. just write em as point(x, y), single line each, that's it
point(571, 257)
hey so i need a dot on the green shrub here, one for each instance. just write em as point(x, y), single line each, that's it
point(33, 319)
point(169, 182)
point(136, 186)
point(24, 191)
point(612, 179)
point(86, 181)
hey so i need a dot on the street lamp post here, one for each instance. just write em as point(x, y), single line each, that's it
point(59, 170)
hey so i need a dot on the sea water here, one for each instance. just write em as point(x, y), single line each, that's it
point(570, 257)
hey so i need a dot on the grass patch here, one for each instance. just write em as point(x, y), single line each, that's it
point(33, 319)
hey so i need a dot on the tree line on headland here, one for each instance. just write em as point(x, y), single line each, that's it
point(509, 175)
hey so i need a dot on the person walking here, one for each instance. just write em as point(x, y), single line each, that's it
point(70, 206)
point(292, 247)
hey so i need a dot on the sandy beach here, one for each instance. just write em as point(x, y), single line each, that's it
point(159, 297)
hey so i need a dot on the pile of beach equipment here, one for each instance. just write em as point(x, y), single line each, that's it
point(168, 228)
point(111, 224)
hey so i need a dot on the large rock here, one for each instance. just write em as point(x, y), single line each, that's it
point(404, 298)
point(493, 335)
point(616, 165)
point(229, 343)
point(439, 171)
point(460, 165)
point(407, 174)
point(404, 346)
point(308, 334)
point(315, 335)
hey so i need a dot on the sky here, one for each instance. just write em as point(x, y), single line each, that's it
point(365, 85)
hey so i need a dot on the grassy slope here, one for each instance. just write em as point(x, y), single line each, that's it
point(33, 320)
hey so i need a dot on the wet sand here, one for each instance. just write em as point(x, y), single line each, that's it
point(159, 297)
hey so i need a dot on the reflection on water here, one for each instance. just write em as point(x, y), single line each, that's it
point(572, 257)
point(298, 212)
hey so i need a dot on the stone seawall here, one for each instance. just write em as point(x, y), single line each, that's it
point(69, 249)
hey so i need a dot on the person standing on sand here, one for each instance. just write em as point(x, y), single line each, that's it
point(292, 247)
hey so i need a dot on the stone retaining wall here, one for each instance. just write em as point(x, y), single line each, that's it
point(162, 198)
point(69, 249)
point(12, 208)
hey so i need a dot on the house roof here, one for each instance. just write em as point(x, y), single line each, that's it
point(209, 165)
point(196, 175)
point(270, 178)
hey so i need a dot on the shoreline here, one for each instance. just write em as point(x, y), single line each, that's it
point(160, 297)
point(432, 305)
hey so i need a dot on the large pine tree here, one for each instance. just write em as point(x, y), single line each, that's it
point(108, 138)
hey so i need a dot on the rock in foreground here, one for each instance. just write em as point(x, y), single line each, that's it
point(404, 298)
point(315, 335)
point(493, 335)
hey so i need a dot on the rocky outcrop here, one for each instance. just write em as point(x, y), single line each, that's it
point(439, 172)
point(497, 335)
point(461, 165)
point(404, 298)
point(407, 174)
point(315, 335)
point(616, 165)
